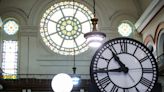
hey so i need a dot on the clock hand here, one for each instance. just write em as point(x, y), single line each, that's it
point(106, 71)
point(131, 77)
point(122, 65)
point(116, 58)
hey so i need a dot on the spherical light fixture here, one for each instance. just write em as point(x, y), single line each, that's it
point(62, 83)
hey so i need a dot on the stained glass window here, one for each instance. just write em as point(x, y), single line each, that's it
point(9, 55)
point(63, 26)
point(125, 29)
point(10, 27)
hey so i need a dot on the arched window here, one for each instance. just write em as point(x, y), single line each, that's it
point(63, 26)
point(125, 28)
point(9, 48)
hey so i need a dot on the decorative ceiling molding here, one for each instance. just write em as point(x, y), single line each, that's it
point(148, 15)
point(149, 42)
point(148, 39)
point(158, 31)
point(12, 12)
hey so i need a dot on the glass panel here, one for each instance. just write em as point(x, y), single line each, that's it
point(81, 16)
point(68, 11)
point(9, 64)
point(57, 15)
point(86, 27)
point(10, 27)
point(66, 25)
point(51, 27)
point(125, 29)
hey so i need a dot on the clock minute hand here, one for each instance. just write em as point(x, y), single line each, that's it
point(111, 70)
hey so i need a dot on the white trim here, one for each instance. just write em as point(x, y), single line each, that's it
point(149, 13)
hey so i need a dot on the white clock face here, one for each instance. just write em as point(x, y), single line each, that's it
point(124, 65)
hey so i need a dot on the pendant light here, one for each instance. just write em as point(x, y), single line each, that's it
point(62, 82)
point(75, 77)
point(94, 38)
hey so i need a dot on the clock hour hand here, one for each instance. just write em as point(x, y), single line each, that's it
point(116, 58)
point(104, 70)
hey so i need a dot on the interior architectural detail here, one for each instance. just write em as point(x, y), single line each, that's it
point(63, 25)
point(149, 42)
point(39, 38)
point(10, 27)
point(159, 31)
point(160, 48)
point(125, 28)
point(9, 64)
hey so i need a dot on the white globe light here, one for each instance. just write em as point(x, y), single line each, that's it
point(62, 83)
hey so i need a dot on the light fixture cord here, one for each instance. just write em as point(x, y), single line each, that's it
point(74, 57)
point(74, 68)
point(94, 10)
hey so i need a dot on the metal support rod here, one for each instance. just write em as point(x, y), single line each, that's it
point(94, 10)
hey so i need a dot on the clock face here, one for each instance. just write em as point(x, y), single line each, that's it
point(123, 65)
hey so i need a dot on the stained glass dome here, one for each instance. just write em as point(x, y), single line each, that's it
point(63, 25)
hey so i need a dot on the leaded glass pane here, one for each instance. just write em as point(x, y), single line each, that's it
point(10, 27)
point(10, 55)
point(125, 29)
point(63, 25)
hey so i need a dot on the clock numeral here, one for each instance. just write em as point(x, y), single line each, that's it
point(147, 70)
point(137, 89)
point(114, 89)
point(123, 47)
point(100, 70)
point(104, 58)
point(105, 81)
point(112, 49)
point(125, 90)
point(143, 59)
point(145, 82)
point(135, 51)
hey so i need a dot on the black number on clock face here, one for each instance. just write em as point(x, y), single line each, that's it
point(112, 49)
point(104, 81)
point(114, 89)
point(143, 59)
point(145, 82)
point(126, 90)
point(123, 47)
point(136, 63)
point(147, 70)
point(137, 89)
point(135, 50)
point(104, 58)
